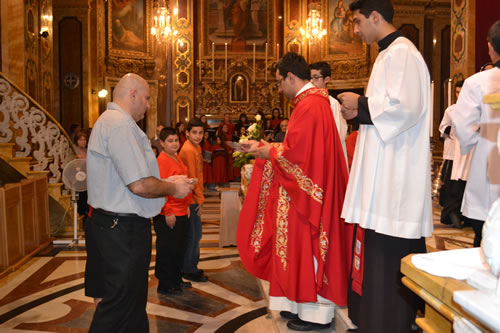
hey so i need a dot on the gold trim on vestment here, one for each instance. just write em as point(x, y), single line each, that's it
point(305, 183)
point(282, 226)
point(323, 242)
point(265, 186)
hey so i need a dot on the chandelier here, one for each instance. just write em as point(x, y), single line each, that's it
point(162, 27)
point(314, 24)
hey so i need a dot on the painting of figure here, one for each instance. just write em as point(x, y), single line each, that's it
point(341, 38)
point(238, 89)
point(127, 25)
point(239, 23)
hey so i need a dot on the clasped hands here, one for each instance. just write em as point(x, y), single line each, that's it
point(349, 108)
point(252, 146)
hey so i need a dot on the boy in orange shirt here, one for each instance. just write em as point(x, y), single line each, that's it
point(171, 226)
point(192, 157)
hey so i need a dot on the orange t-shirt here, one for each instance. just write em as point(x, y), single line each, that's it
point(170, 167)
point(192, 158)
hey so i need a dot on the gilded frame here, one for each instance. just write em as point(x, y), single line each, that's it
point(124, 41)
point(209, 15)
point(239, 89)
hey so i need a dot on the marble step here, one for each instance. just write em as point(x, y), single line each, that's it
point(7, 150)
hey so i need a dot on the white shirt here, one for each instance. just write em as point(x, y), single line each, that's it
point(340, 122)
point(449, 140)
point(389, 188)
point(476, 126)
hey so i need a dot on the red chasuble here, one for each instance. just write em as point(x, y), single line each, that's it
point(292, 209)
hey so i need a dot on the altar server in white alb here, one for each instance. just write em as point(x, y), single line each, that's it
point(476, 126)
point(389, 190)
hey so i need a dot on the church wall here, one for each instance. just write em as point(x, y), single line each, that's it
point(13, 56)
point(487, 13)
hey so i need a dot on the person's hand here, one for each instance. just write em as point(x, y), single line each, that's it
point(349, 100)
point(182, 187)
point(263, 151)
point(170, 220)
point(173, 178)
point(348, 113)
point(250, 146)
point(198, 210)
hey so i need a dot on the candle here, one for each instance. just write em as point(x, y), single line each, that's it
point(265, 69)
point(254, 62)
point(449, 92)
point(199, 58)
point(225, 61)
point(213, 61)
point(432, 106)
point(277, 52)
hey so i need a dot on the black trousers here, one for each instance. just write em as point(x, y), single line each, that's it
point(386, 305)
point(123, 244)
point(94, 283)
point(450, 194)
point(170, 250)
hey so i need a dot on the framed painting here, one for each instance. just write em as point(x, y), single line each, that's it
point(240, 24)
point(129, 28)
point(341, 41)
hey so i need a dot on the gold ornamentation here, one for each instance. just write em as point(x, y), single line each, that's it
point(282, 226)
point(279, 148)
point(312, 91)
point(265, 186)
point(325, 279)
point(305, 183)
point(323, 242)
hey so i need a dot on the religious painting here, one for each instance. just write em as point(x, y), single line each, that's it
point(128, 27)
point(342, 42)
point(240, 24)
point(238, 89)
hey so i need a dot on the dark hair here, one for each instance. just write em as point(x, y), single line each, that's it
point(459, 84)
point(279, 113)
point(241, 116)
point(195, 122)
point(366, 7)
point(295, 64)
point(80, 134)
point(494, 36)
point(166, 131)
point(323, 67)
point(203, 115)
point(73, 127)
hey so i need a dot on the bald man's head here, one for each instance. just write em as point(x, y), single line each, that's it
point(132, 94)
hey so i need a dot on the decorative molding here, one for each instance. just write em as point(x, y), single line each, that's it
point(118, 67)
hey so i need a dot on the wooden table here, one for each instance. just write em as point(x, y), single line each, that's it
point(437, 292)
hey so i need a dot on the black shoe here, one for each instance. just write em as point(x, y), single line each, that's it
point(301, 325)
point(195, 277)
point(185, 284)
point(455, 221)
point(288, 315)
point(174, 291)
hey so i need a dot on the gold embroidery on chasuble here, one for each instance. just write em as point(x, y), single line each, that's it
point(325, 279)
point(305, 183)
point(312, 91)
point(282, 226)
point(279, 148)
point(265, 186)
point(323, 242)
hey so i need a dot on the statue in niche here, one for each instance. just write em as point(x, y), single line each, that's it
point(239, 89)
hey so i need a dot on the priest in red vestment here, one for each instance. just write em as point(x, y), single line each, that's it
point(290, 231)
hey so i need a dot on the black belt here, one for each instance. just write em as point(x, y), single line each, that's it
point(106, 212)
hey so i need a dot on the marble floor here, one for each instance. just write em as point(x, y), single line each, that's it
point(46, 294)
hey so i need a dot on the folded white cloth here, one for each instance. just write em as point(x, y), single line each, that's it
point(462, 325)
point(457, 264)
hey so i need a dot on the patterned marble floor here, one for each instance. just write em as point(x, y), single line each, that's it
point(46, 294)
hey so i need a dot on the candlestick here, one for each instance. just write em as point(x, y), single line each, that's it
point(277, 52)
point(253, 62)
point(199, 58)
point(265, 69)
point(449, 91)
point(225, 61)
point(213, 61)
point(431, 111)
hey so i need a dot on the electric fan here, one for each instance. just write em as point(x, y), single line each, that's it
point(75, 178)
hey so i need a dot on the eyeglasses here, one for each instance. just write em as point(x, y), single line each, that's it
point(278, 83)
point(316, 77)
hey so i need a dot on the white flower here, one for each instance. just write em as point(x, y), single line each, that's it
point(258, 118)
point(252, 127)
point(243, 139)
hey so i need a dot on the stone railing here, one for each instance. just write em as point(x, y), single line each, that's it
point(33, 131)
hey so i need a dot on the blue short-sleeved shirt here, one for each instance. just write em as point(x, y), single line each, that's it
point(119, 154)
